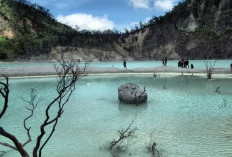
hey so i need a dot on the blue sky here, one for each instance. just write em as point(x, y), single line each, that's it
point(105, 14)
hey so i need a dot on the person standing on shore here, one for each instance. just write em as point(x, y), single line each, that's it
point(187, 64)
point(165, 61)
point(231, 67)
point(192, 66)
point(124, 64)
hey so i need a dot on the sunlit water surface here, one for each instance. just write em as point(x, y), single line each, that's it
point(188, 118)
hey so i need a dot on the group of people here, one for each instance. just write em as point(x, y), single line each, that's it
point(184, 63)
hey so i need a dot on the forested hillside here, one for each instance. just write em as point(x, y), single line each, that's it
point(28, 29)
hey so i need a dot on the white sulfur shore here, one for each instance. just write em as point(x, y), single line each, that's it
point(49, 70)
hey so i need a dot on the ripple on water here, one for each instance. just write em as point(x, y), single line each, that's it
point(185, 118)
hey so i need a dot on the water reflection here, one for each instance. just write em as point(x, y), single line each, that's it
point(134, 110)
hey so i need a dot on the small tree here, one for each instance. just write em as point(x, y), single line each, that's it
point(120, 145)
point(151, 147)
point(68, 73)
point(209, 68)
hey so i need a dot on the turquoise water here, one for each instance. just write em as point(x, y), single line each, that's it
point(130, 64)
point(186, 118)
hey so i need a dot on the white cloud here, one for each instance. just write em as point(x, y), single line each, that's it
point(140, 3)
point(164, 4)
point(86, 21)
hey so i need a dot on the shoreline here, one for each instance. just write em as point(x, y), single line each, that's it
point(162, 74)
point(49, 71)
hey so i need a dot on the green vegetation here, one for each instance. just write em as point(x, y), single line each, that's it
point(30, 34)
point(5, 9)
point(2, 40)
point(3, 48)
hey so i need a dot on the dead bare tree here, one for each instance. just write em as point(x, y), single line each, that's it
point(209, 67)
point(164, 83)
point(224, 104)
point(68, 73)
point(151, 147)
point(120, 145)
point(217, 90)
point(155, 75)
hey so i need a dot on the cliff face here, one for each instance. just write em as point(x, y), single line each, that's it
point(195, 29)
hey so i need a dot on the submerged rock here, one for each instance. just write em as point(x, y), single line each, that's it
point(130, 93)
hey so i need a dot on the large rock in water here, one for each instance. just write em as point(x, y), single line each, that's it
point(130, 93)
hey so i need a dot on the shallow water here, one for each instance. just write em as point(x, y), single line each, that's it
point(186, 118)
point(130, 64)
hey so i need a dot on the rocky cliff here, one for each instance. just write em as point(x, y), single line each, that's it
point(195, 29)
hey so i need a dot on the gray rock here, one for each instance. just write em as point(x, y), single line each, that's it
point(130, 93)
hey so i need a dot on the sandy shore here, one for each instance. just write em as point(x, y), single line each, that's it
point(49, 70)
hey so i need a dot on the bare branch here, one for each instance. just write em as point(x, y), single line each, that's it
point(217, 90)
point(8, 145)
point(209, 68)
point(49, 137)
point(224, 104)
point(17, 144)
point(164, 83)
point(4, 91)
point(117, 146)
point(68, 73)
point(33, 102)
point(151, 147)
